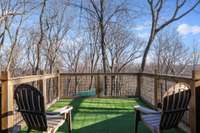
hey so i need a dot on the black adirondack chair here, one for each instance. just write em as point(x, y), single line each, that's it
point(175, 103)
point(30, 104)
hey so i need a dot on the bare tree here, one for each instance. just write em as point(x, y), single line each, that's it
point(195, 55)
point(14, 41)
point(71, 54)
point(38, 49)
point(123, 46)
point(102, 13)
point(57, 24)
point(11, 19)
point(157, 24)
point(92, 49)
point(10, 9)
point(171, 54)
point(31, 41)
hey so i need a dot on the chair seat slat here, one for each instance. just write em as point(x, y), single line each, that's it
point(152, 120)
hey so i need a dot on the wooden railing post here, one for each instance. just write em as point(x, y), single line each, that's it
point(44, 91)
point(43, 87)
point(62, 93)
point(139, 82)
point(59, 84)
point(193, 102)
point(7, 102)
point(98, 88)
point(156, 86)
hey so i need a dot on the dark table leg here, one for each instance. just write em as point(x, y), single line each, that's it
point(137, 119)
point(69, 121)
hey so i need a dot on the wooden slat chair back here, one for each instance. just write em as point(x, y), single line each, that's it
point(175, 103)
point(31, 105)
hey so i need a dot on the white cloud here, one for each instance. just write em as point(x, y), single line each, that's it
point(139, 27)
point(144, 26)
point(185, 29)
point(143, 34)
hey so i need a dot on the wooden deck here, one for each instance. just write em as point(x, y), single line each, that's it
point(147, 86)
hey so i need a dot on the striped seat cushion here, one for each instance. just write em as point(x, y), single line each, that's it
point(152, 120)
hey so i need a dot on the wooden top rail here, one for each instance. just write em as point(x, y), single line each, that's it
point(26, 79)
point(95, 74)
point(169, 77)
point(161, 76)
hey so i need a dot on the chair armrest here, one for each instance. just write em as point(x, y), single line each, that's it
point(65, 109)
point(52, 113)
point(159, 105)
point(145, 110)
point(55, 116)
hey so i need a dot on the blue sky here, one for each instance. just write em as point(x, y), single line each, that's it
point(188, 27)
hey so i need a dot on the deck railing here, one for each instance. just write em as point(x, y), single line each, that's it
point(118, 84)
point(8, 115)
point(149, 87)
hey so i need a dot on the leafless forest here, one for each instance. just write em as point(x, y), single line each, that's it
point(94, 36)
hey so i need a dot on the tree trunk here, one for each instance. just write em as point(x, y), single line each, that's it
point(37, 68)
point(103, 50)
point(146, 51)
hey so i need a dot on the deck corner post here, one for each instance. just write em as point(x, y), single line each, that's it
point(59, 84)
point(43, 87)
point(98, 89)
point(156, 86)
point(139, 82)
point(7, 102)
point(192, 110)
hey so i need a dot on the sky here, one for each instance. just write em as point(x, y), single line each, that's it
point(188, 27)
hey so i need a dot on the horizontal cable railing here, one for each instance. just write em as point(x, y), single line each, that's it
point(117, 84)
